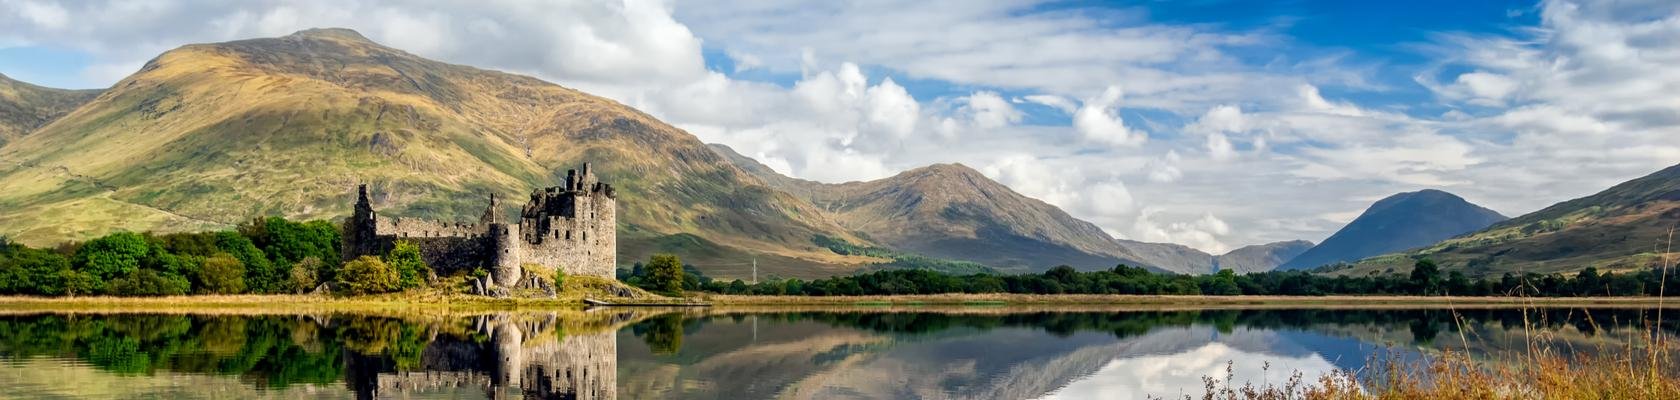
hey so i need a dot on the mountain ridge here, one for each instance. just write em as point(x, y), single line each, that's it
point(960, 202)
point(207, 135)
point(25, 107)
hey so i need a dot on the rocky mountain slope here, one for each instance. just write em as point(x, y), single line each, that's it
point(1399, 222)
point(952, 211)
point(1627, 226)
point(25, 107)
point(1262, 257)
point(208, 135)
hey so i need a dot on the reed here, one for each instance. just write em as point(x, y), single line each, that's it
point(1641, 368)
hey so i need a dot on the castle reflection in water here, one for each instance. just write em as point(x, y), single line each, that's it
point(523, 357)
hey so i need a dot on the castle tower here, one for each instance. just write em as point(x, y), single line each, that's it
point(492, 214)
point(360, 228)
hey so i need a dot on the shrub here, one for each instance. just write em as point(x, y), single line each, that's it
point(303, 275)
point(368, 275)
point(412, 270)
point(223, 274)
point(145, 282)
point(559, 278)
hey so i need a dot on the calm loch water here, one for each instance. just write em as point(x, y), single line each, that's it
point(967, 353)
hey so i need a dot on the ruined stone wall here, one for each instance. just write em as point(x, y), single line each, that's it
point(583, 245)
point(448, 255)
point(415, 227)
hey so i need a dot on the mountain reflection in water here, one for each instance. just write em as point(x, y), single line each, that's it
point(969, 353)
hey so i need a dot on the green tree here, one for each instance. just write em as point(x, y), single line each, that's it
point(261, 275)
point(665, 273)
point(30, 271)
point(286, 241)
point(110, 257)
point(303, 275)
point(147, 282)
point(412, 271)
point(368, 275)
point(1223, 283)
point(222, 274)
point(1426, 277)
point(559, 278)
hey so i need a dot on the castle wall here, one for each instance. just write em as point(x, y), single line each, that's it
point(586, 245)
point(415, 227)
point(571, 227)
point(448, 255)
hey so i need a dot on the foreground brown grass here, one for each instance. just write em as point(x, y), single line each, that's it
point(1633, 375)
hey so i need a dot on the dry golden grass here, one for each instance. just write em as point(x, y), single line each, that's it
point(1635, 374)
point(441, 299)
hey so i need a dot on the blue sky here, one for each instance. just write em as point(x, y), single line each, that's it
point(1213, 124)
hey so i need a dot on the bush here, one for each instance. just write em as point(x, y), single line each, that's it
point(303, 275)
point(368, 275)
point(222, 274)
point(559, 278)
point(412, 271)
point(145, 282)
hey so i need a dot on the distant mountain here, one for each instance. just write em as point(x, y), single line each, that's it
point(952, 211)
point(1624, 227)
point(25, 107)
point(1399, 222)
point(208, 135)
point(1262, 257)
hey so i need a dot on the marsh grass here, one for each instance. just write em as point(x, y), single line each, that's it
point(1643, 367)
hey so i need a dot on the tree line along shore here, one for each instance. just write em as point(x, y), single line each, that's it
point(279, 256)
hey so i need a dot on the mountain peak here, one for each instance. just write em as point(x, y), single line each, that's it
point(1399, 222)
point(331, 33)
point(944, 171)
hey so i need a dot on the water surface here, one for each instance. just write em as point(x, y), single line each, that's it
point(980, 353)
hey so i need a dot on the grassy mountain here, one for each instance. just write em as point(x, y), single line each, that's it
point(1399, 222)
point(25, 107)
point(208, 135)
point(952, 211)
point(1624, 227)
point(1262, 257)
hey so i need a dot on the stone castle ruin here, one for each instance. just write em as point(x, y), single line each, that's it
point(572, 228)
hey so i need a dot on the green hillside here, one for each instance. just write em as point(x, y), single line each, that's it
point(25, 107)
point(1625, 227)
point(208, 135)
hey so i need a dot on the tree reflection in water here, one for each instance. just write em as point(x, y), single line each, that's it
point(572, 354)
point(506, 355)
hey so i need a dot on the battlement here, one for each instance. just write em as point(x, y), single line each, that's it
point(571, 227)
